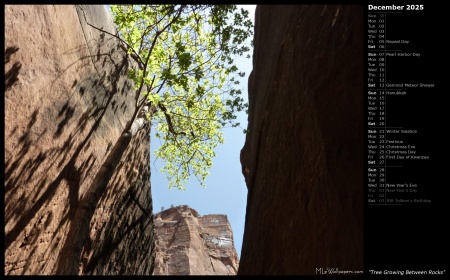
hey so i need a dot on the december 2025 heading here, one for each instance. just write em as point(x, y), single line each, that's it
point(395, 7)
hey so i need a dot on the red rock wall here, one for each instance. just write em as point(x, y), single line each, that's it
point(303, 156)
point(67, 100)
point(190, 244)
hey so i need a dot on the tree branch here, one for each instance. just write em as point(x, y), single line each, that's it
point(169, 120)
point(135, 56)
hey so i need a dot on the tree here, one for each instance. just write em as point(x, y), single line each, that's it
point(186, 71)
point(162, 208)
point(184, 82)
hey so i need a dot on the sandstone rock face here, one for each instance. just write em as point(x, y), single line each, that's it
point(67, 100)
point(303, 156)
point(190, 244)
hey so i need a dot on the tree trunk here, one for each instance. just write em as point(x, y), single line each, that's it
point(69, 257)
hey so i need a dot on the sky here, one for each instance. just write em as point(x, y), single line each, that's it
point(226, 192)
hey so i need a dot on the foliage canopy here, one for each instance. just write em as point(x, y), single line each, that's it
point(186, 56)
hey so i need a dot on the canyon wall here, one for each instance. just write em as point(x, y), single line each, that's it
point(303, 155)
point(190, 244)
point(67, 100)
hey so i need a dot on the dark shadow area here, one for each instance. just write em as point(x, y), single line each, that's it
point(67, 111)
point(303, 155)
point(12, 74)
point(129, 228)
point(9, 52)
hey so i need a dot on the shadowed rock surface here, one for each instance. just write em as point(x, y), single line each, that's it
point(67, 101)
point(303, 155)
point(190, 244)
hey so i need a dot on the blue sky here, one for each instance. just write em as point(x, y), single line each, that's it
point(226, 192)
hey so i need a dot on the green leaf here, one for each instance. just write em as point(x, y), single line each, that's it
point(191, 50)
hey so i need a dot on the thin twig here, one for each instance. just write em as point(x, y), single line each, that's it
point(135, 56)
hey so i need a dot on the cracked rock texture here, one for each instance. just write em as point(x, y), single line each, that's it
point(67, 100)
point(303, 155)
point(190, 244)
